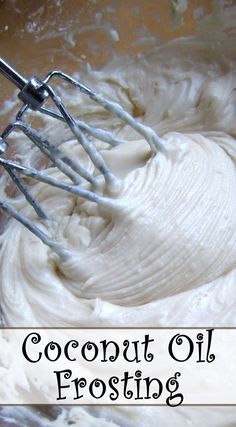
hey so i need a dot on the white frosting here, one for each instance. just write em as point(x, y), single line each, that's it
point(167, 256)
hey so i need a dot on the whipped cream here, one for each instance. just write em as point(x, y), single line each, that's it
point(167, 255)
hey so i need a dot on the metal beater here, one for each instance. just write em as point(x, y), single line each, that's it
point(33, 93)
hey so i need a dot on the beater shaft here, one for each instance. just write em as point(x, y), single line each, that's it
point(11, 74)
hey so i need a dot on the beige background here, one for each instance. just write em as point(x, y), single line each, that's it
point(37, 36)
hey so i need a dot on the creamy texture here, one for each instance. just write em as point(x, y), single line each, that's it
point(167, 256)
